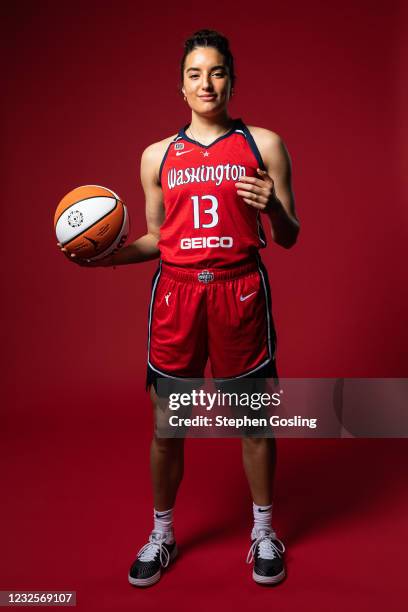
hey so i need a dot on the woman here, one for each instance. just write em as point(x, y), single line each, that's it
point(207, 189)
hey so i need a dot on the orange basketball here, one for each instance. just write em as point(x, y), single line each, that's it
point(91, 221)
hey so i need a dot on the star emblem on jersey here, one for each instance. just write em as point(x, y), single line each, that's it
point(205, 153)
point(245, 297)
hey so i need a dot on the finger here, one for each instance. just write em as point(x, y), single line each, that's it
point(250, 180)
point(250, 189)
point(253, 204)
point(265, 175)
point(256, 199)
point(249, 195)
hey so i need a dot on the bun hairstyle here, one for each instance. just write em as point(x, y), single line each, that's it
point(209, 38)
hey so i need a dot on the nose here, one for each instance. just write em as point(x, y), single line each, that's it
point(207, 84)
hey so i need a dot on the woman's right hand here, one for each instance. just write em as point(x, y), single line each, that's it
point(87, 263)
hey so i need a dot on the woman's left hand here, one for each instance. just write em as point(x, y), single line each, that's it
point(259, 193)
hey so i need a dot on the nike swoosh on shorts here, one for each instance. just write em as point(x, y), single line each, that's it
point(245, 297)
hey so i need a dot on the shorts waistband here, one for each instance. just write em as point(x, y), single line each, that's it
point(207, 275)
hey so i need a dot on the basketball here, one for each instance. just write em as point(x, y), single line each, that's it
point(92, 222)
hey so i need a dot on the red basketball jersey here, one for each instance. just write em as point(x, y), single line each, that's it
point(207, 223)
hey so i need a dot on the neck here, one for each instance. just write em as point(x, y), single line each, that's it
point(210, 127)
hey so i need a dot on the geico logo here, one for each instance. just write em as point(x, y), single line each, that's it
point(206, 242)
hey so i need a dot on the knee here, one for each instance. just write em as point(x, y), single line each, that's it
point(167, 445)
point(253, 445)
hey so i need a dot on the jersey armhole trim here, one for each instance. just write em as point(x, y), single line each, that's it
point(165, 156)
point(253, 146)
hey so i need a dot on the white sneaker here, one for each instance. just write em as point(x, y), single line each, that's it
point(151, 558)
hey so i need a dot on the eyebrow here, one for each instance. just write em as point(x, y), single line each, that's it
point(213, 68)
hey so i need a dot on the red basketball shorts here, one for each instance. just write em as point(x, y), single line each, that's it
point(223, 315)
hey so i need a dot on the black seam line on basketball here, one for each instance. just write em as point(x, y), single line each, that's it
point(196, 142)
point(92, 241)
point(100, 219)
point(83, 200)
point(122, 225)
point(118, 233)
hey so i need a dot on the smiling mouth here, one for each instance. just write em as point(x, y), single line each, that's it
point(207, 97)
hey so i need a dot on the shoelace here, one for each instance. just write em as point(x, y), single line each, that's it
point(267, 548)
point(148, 552)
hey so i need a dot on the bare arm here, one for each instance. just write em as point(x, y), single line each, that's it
point(145, 247)
point(271, 191)
point(283, 220)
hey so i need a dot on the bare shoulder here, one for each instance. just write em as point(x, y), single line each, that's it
point(266, 139)
point(264, 134)
point(271, 147)
point(153, 154)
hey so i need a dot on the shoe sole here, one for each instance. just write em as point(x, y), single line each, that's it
point(268, 579)
point(142, 582)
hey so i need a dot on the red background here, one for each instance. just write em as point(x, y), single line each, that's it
point(86, 87)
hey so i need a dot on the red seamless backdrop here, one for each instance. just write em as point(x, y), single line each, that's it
point(86, 87)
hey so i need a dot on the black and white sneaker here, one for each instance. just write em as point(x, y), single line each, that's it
point(267, 553)
point(151, 558)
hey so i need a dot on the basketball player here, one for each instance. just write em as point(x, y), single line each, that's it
point(208, 189)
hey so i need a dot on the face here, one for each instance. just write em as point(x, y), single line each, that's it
point(206, 83)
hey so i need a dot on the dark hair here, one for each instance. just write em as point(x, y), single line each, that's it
point(209, 38)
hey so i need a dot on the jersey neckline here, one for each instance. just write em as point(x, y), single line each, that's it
point(235, 124)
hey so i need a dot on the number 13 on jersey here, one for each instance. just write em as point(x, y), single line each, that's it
point(208, 211)
point(205, 218)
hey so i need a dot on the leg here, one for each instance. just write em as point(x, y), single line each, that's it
point(266, 551)
point(259, 460)
point(166, 464)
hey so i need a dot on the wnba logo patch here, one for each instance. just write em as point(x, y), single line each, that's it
point(205, 276)
point(178, 146)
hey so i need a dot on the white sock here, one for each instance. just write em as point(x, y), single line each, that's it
point(163, 522)
point(262, 519)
